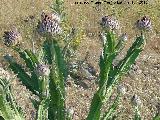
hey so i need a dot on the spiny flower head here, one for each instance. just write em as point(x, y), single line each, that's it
point(43, 70)
point(50, 23)
point(50, 16)
point(12, 37)
point(144, 23)
point(109, 23)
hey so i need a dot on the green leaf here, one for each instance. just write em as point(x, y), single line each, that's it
point(96, 104)
point(43, 110)
point(125, 64)
point(8, 107)
point(157, 116)
point(110, 42)
point(57, 76)
point(111, 110)
point(23, 76)
point(137, 44)
point(137, 113)
point(31, 60)
point(47, 52)
point(32, 57)
point(105, 66)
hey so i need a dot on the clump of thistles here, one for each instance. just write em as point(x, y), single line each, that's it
point(12, 37)
point(144, 23)
point(136, 100)
point(50, 23)
point(109, 23)
point(42, 70)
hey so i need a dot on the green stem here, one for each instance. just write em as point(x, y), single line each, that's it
point(108, 114)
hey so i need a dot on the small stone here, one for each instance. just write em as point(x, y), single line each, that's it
point(124, 37)
point(121, 89)
point(136, 100)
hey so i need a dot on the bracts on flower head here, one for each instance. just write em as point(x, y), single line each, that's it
point(50, 16)
point(144, 23)
point(42, 70)
point(50, 23)
point(109, 23)
point(12, 37)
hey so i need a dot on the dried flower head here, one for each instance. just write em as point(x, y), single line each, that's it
point(50, 24)
point(43, 70)
point(136, 100)
point(144, 23)
point(121, 89)
point(109, 23)
point(12, 38)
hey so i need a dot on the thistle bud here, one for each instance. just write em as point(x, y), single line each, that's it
point(121, 89)
point(144, 23)
point(42, 70)
point(50, 24)
point(136, 100)
point(109, 23)
point(12, 38)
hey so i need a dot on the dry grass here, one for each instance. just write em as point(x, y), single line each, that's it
point(144, 80)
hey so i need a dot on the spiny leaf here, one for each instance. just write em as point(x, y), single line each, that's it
point(47, 52)
point(56, 84)
point(31, 61)
point(111, 110)
point(110, 42)
point(105, 66)
point(95, 107)
point(137, 44)
point(23, 76)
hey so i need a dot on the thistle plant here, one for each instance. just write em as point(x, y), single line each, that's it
point(109, 73)
point(8, 107)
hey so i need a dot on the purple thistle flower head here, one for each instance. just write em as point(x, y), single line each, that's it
point(12, 37)
point(109, 23)
point(50, 24)
point(144, 23)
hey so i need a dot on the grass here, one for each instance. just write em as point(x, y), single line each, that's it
point(86, 17)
